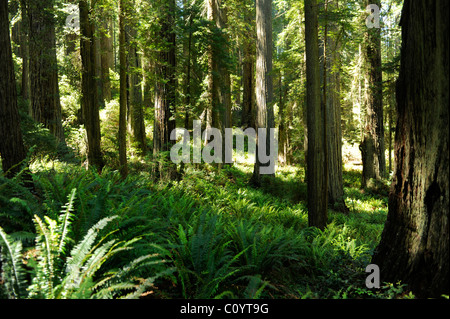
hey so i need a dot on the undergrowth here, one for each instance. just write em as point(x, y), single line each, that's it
point(206, 235)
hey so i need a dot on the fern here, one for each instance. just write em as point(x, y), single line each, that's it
point(12, 267)
point(46, 244)
point(202, 256)
point(65, 220)
point(80, 254)
point(56, 276)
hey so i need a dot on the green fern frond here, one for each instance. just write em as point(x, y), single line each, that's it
point(12, 266)
point(65, 220)
point(82, 250)
point(47, 243)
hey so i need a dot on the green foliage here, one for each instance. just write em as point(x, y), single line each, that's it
point(12, 273)
point(56, 274)
point(219, 238)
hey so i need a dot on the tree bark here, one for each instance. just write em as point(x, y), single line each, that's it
point(12, 149)
point(248, 78)
point(135, 100)
point(166, 81)
point(333, 112)
point(264, 80)
point(123, 93)
point(106, 58)
point(414, 247)
point(24, 53)
point(219, 85)
point(372, 146)
point(316, 175)
point(106, 52)
point(188, 15)
point(89, 100)
point(44, 87)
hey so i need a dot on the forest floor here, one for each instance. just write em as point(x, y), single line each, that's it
point(221, 237)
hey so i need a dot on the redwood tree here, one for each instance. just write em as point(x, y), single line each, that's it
point(123, 93)
point(45, 102)
point(12, 150)
point(89, 101)
point(414, 247)
point(166, 80)
point(316, 159)
point(372, 145)
point(264, 115)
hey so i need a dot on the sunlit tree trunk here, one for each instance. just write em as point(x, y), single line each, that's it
point(135, 99)
point(333, 111)
point(89, 100)
point(316, 174)
point(106, 53)
point(45, 102)
point(264, 80)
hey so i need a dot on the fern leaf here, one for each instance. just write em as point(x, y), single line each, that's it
point(80, 252)
point(11, 263)
point(65, 220)
point(45, 242)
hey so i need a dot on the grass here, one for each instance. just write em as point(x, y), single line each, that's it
point(223, 238)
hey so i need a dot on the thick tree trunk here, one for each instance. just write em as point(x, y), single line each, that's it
point(414, 247)
point(135, 100)
point(166, 81)
point(264, 81)
point(45, 103)
point(333, 114)
point(89, 100)
point(106, 54)
point(12, 150)
point(316, 175)
point(372, 146)
point(219, 76)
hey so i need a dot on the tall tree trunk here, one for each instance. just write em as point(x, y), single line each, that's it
point(414, 246)
point(135, 100)
point(45, 102)
point(123, 93)
point(89, 100)
point(283, 126)
point(213, 72)
point(372, 146)
point(187, 52)
point(12, 150)
point(166, 81)
point(106, 47)
point(316, 175)
point(248, 78)
point(333, 112)
point(264, 80)
point(219, 76)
